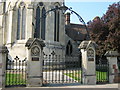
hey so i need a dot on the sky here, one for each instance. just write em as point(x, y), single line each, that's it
point(88, 10)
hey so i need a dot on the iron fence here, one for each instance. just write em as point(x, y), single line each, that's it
point(102, 71)
point(58, 69)
point(118, 63)
point(15, 72)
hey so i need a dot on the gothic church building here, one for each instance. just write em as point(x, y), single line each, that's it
point(24, 20)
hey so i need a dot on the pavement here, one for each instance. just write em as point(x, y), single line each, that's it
point(115, 86)
point(84, 86)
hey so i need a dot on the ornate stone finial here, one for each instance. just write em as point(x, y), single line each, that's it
point(30, 6)
point(53, 53)
point(41, 3)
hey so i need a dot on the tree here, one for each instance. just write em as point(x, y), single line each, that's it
point(98, 32)
point(112, 18)
point(105, 31)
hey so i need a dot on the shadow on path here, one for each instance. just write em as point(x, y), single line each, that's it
point(61, 85)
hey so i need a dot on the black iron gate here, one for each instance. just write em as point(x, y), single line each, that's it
point(102, 70)
point(15, 72)
point(59, 70)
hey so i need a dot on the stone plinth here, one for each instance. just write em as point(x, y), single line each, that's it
point(113, 66)
point(88, 62)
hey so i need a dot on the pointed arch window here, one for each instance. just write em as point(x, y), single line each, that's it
point(43, 23)
point(21, 23)
point(69, 49)
point(40, 22)
point(37, 28)
point(56, 24)
point(18, 24)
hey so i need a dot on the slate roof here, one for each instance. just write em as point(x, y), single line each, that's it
point(76, 32)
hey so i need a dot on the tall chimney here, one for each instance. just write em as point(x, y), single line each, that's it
point(67, 17)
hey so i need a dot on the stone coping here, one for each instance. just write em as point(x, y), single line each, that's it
point(30, 42)
point(112, 54)
point(86, 44)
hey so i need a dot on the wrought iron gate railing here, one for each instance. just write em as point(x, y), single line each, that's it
point(15, 72)
point(57, 69)
point(102, 71)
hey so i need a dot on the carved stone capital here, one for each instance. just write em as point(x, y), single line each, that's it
point(3, 49)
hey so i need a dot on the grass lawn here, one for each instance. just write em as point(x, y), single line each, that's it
point(101, 76)
point(76, 75)
point(15, 79)
point(19, 79)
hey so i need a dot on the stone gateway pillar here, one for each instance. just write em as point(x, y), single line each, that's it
point(113, 66)
point(35, 60)
point(3, 57)
point(88, 62)
point(3, 48)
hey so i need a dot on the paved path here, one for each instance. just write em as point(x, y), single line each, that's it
point(93, 86)
point(116, 85)
point(83, 86)
point(74, 87)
